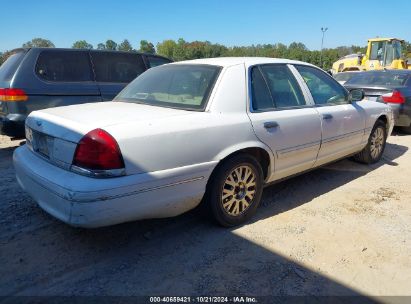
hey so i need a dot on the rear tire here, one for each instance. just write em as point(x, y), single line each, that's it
point(374, 149)
point(235, 190)
point(406, 130)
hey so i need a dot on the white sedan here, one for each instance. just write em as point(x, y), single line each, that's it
point(212, 130)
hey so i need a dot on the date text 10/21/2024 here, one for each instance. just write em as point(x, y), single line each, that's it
point(240, 299)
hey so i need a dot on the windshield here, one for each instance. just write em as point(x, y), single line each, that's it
point(379, 79)
point(9, 67)
point(177, 86)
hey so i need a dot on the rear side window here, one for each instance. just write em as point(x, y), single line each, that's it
point(9, 67)
point(156, 61)
point(285, 90)
point(261, 98)
point(71, 66)
point(323, 88)
point(117, 67)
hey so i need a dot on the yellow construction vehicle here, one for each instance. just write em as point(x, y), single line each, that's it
point(382, 53)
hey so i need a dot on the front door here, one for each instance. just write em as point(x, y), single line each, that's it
point(283, 120)
point(343, 122)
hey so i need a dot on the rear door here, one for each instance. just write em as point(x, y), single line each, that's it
point(114, 70)
point(283, 118)
point(343, 122)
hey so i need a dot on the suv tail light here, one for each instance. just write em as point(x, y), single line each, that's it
point(12, 95)
point(393, 97)
point(98, 151)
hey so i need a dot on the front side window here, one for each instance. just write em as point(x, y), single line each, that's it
point(117, 67)
point(71, 66)
point(323, 88)
point(177, 86)
point(377, 50)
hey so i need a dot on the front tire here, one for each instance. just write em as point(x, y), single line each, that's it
point(374, 149)
point(235, 190)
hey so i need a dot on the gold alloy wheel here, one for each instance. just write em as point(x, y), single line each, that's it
point(377, 142)
point(238, 190)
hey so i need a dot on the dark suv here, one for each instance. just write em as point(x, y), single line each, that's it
point(39, 78)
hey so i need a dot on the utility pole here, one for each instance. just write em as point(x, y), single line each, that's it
point(323, 30)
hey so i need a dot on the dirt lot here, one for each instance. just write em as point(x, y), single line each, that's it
point(344, 229)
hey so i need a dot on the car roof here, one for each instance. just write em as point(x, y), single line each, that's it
point(384, 39)
point(92, 50)
point(247, 61)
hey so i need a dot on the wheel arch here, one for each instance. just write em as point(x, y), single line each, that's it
point(385, 120)
point(261, 152)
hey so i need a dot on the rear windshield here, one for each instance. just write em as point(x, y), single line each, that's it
point(379, 79)
point(9, 67)
point(175, 86)
point(343, 76)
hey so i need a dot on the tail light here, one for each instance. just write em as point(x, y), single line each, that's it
point(98, 151)
point(12, 95)
point(394, 97)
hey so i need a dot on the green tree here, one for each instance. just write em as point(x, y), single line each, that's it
point(166, 48)
point(147, 47)
point(125, 45)
point(101, 46)
point(111, 45)
point(38, 42)
point(81, 44)
point(179, 50)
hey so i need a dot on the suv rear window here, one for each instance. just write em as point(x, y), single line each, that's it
point(156, 61)
point(69, 66)
point(9, 67)
point(117, 67)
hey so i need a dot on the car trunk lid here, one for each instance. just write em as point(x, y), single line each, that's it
point(74, 121)
point(370, 92)
point(54, 133)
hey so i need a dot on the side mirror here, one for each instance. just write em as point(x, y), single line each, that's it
point(356, 95)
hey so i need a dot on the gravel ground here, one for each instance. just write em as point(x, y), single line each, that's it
point(344, 229)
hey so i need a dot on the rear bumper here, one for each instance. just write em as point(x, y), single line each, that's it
point(88, 202)
point(402, 114)
point(12, 125)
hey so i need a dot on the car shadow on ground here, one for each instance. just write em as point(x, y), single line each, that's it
point(304, 188)
point(186, 255)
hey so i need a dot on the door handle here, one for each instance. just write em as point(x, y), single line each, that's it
point(270, 124)
point(327, 116)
